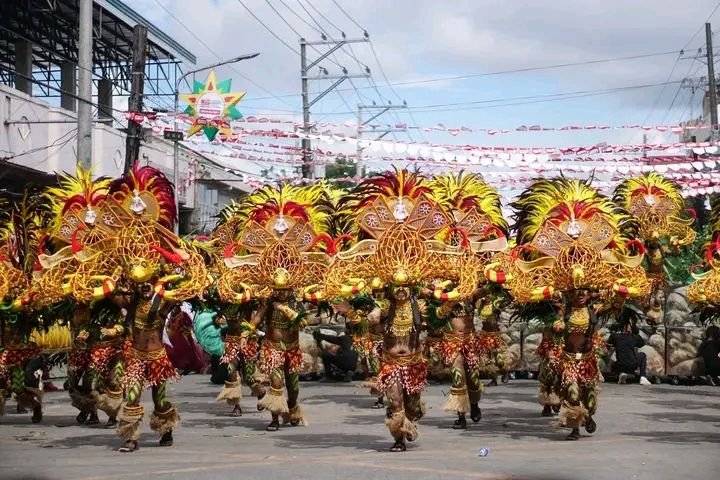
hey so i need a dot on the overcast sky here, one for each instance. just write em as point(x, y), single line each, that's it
point(419, 41)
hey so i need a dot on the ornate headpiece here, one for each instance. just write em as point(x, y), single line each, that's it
point(657, 204)
point(571, 237)
point(280, 233)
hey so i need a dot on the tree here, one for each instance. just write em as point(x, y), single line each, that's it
point(341, 169)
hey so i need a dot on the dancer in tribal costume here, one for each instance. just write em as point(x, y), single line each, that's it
point(398, 223)
point(151, 272)
point(577, 366)
point(278, 271)
point(551, 315)
point(461, 355)
point(80, 377)
point(23, 224)
point(242, 347)
point(574, 241)
point(704, 291)
point(376, 327)
point(490, 342)
point(97, 323)
point(665, 227)
point(479, 230)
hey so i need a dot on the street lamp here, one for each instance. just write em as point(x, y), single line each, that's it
point(176, 149)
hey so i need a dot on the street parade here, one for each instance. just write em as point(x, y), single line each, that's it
point(326, 239)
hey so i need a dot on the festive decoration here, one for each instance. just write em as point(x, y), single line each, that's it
point(211, 107)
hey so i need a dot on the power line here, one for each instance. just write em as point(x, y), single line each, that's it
point(232, 67)
point(518, 70)
point(38, 149)
point(348, 16)
point(271, 31)
point(549, 95)
point(657, 99)
point(531, 99)
point(382, 71)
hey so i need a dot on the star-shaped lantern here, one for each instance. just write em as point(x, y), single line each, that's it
point(212, 106)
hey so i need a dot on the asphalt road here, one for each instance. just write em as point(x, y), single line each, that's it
point(656, 432)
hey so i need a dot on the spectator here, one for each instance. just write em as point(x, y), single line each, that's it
point(710, 352)
point(628, 359)
point(339, 355)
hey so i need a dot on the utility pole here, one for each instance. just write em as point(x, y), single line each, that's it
point(85, 68)
point(135, 102)
point(361, 124)
point(305, 144)
point(711, 80)
point(307, 170)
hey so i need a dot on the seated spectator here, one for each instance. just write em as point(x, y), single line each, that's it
point(628, 359)
point(339, 355)
point(710, 352)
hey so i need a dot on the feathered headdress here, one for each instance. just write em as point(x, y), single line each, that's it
point(576, 239)
point(475, 209)
point(657, 204)
point(568, 205)
point(76, 203)
point(147, 191)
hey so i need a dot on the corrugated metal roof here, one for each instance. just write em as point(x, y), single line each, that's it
point(155, 35)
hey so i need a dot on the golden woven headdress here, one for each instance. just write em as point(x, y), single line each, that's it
point(657, 205)
point(475, 209)
point(400, 223)
point(570, 237)
point(705, 288)
point(279, 235)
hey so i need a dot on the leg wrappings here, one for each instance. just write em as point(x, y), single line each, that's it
point(164, 422)
point(110, 402)
point(274, 401)
point(129, 422)
point(401, 427)
point(295, 415)
point(458, 401)
point(84, 403)
point(572, 416)
point(231, 393)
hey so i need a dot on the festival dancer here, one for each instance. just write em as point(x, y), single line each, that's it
point(490, 342)
point(657, 205)
point(23, 224)
point(151, 272)
point(704, 291)
point(241, 352)
point(97, 323)
point(552, 316)
point(399, 223)
point(478, 229)
point(281, 266)
point(575, 242)
point(232, 310)
point(578, 364)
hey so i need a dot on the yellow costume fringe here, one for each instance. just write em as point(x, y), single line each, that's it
point(458, 401)
point(572, 416)
point(231, 393)
point(109, 402)
point(295, 415)
point(129, 423)
point(274, 401)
